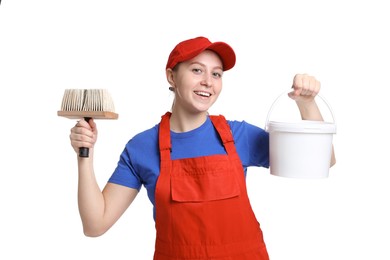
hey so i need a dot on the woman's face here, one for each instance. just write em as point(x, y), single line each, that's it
point(197, 82)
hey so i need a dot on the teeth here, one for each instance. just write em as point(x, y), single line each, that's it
point(204, 94)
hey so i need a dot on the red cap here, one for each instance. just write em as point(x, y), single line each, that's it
point(191, 48)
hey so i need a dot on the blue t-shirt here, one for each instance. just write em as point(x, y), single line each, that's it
point(139, 163)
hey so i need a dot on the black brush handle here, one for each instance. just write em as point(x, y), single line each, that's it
point(84, 151)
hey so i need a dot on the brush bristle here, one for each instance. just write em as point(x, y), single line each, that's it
point(87, 100)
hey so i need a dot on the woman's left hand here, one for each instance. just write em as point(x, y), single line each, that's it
point(305, 88)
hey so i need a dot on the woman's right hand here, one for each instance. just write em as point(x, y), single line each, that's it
point(83, 134)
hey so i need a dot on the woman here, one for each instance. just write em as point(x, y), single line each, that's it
point(192, 164)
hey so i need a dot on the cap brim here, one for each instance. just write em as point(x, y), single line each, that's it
point(225, 52)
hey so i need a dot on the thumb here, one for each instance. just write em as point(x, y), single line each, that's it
point(293, 94)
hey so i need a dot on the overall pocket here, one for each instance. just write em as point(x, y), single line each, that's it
point(207, 182)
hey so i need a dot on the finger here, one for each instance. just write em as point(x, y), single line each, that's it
point(78, 131)
point(81, 140)
point(297, 85)
point(317, 88)
point(310, 85)
point(92, 123)
point(83, 123)
point(307, 84)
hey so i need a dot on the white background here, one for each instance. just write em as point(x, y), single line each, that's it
point(47, 46)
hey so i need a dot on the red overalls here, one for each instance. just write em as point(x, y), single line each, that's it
point(202, 206)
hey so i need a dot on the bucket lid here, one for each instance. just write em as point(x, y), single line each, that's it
point(303, 126)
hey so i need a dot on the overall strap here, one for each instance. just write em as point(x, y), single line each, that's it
point(224, 132)
point(164, 135)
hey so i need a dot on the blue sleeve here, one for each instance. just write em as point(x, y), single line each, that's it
point(139, 163)
point(125, 174)
point(252, 143)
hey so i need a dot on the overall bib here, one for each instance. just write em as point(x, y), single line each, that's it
point(202, 206)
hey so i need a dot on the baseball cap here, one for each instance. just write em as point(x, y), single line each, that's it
point(190, 48)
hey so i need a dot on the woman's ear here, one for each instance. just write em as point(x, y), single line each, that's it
point(170, 79)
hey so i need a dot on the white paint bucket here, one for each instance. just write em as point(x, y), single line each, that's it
point(300, 149)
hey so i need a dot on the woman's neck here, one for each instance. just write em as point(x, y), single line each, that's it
point(181, 121)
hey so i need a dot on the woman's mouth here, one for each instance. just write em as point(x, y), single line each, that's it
point(202, 93)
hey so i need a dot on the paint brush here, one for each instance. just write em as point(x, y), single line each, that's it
point(87, 104)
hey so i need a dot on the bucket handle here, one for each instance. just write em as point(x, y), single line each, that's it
point(286, 92)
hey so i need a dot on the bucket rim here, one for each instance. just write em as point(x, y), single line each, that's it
point(304, 126)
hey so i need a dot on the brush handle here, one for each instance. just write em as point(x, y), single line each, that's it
point(84, 151)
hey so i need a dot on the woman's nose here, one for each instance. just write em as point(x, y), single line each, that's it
point(207, 80)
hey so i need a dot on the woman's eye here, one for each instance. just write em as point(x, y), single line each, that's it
point(197, 70)
point(217, 75)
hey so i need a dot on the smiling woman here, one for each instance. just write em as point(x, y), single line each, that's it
point(197, 84)
point(192, 164)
